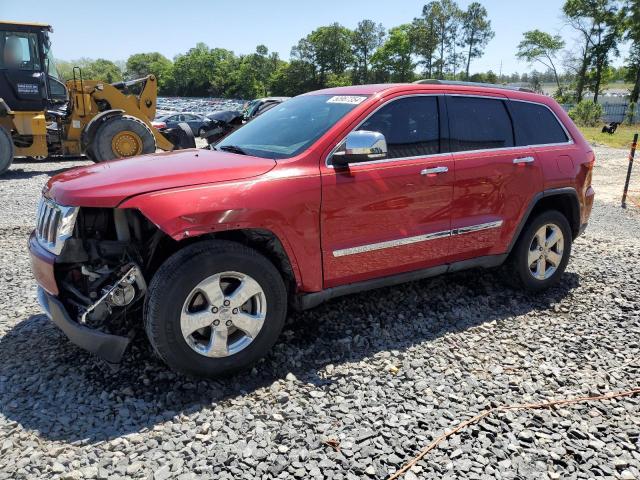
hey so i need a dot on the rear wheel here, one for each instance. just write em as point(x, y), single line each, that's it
point(542, 252)
point(214, 308)
point(6, 150)
point(121, 136)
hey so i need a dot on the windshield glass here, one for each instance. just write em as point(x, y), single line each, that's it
point(291, 127)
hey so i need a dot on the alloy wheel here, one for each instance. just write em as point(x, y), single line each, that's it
point(223, 314)
point(545, 251)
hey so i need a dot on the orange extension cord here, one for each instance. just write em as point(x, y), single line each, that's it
point(504, 408)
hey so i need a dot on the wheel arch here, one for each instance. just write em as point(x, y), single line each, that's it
point(565, 200)
point(264, 241)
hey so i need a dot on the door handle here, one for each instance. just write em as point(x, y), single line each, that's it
point(523, 160)
point(430, 171)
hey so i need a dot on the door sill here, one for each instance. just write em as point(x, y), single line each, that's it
point(306, 301)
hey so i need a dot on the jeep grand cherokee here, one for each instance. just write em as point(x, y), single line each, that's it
point(332, 192)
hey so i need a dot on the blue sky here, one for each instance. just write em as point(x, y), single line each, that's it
point(116, 28)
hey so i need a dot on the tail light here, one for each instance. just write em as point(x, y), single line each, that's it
point(159, 125)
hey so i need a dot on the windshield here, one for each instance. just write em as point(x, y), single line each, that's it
point(291, 127)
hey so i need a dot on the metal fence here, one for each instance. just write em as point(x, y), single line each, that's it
point(614, 112)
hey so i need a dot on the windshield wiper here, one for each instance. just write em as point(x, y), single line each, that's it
point(233, 149)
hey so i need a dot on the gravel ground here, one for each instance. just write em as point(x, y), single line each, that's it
point(355, 387)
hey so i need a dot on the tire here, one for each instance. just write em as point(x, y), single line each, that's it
point(168, 299)
point(530, 275)
point(139, 141)
point(7, 150)
point(185, 138)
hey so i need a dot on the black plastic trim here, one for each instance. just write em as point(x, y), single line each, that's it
point(536, 198)
point(311, 300)
point(108, 347)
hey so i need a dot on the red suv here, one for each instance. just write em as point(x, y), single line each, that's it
point(332, 192)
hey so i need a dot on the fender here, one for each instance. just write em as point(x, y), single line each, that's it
point(290, 213)
point(537, 198)
point(90, 128)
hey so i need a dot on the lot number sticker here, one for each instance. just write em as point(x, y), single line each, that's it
point(348, 99)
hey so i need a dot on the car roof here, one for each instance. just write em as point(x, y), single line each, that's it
point(437, 85)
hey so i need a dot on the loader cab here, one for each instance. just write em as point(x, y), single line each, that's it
point(29, 80)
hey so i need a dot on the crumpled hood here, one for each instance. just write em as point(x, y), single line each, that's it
point(108, 184)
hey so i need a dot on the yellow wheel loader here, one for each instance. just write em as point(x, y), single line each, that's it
point(40, 116)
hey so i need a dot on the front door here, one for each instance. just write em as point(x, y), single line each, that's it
point(390, 216)
point(22, 84)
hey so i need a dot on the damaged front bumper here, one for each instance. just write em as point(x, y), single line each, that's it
point(129, 287)
point(108, 347)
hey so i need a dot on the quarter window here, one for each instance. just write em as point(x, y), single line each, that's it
point(410, 126)
point(535, 125)
point(478, 124)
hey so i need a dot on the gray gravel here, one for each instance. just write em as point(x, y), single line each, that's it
point(354, 388)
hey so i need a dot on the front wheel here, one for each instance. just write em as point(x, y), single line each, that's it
point(214, 308)
point(121, 136)
point(542, 252)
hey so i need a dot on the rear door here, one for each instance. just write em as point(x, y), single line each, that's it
point(390, 216)
point(495, 179)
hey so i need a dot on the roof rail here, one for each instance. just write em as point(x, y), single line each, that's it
point(434, 81)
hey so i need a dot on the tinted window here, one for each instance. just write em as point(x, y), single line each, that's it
point(478, 123)
point(410, 126)
point(535, 125)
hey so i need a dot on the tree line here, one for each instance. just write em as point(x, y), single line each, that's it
point(601, 26)
point(442, 42)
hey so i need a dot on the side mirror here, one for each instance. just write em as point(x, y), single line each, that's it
point(360, 146)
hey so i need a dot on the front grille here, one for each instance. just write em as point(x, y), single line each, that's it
point(54, 224)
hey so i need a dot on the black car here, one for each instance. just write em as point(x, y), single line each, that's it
point(198, 123)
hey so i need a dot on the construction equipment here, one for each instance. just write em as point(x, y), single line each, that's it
point(40, 116)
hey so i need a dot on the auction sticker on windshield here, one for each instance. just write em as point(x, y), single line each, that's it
point(348, 99)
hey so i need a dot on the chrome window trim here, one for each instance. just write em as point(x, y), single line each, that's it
point(435, 155)
point(386, 160)
point(370, 247)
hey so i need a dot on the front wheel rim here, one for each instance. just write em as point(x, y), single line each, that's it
point(223, 314)
point(546, 251)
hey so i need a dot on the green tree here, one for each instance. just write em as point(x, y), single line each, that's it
point(632, 25)
point(542, 47)
point(327, 49)
point(142, 64)
point(367, 37)
point(293, 78)
point(393, 61)
point(476, 32)
point(599, 23)
point(424, 41)
point(441, 21)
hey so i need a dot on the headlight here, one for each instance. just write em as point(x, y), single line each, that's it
point(54, 224)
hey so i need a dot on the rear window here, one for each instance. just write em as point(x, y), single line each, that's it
point(478, 124)
point(536, 124)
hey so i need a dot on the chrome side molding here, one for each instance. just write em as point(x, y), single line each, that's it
point(416, 239)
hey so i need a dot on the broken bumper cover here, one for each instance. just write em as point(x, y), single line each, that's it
point(106, 346)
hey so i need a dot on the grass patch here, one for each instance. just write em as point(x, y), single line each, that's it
point(621, 139)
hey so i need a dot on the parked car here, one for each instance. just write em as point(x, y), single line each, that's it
point(333, 192)
point(260, 105)
point(222, 124)
point(197, 122)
